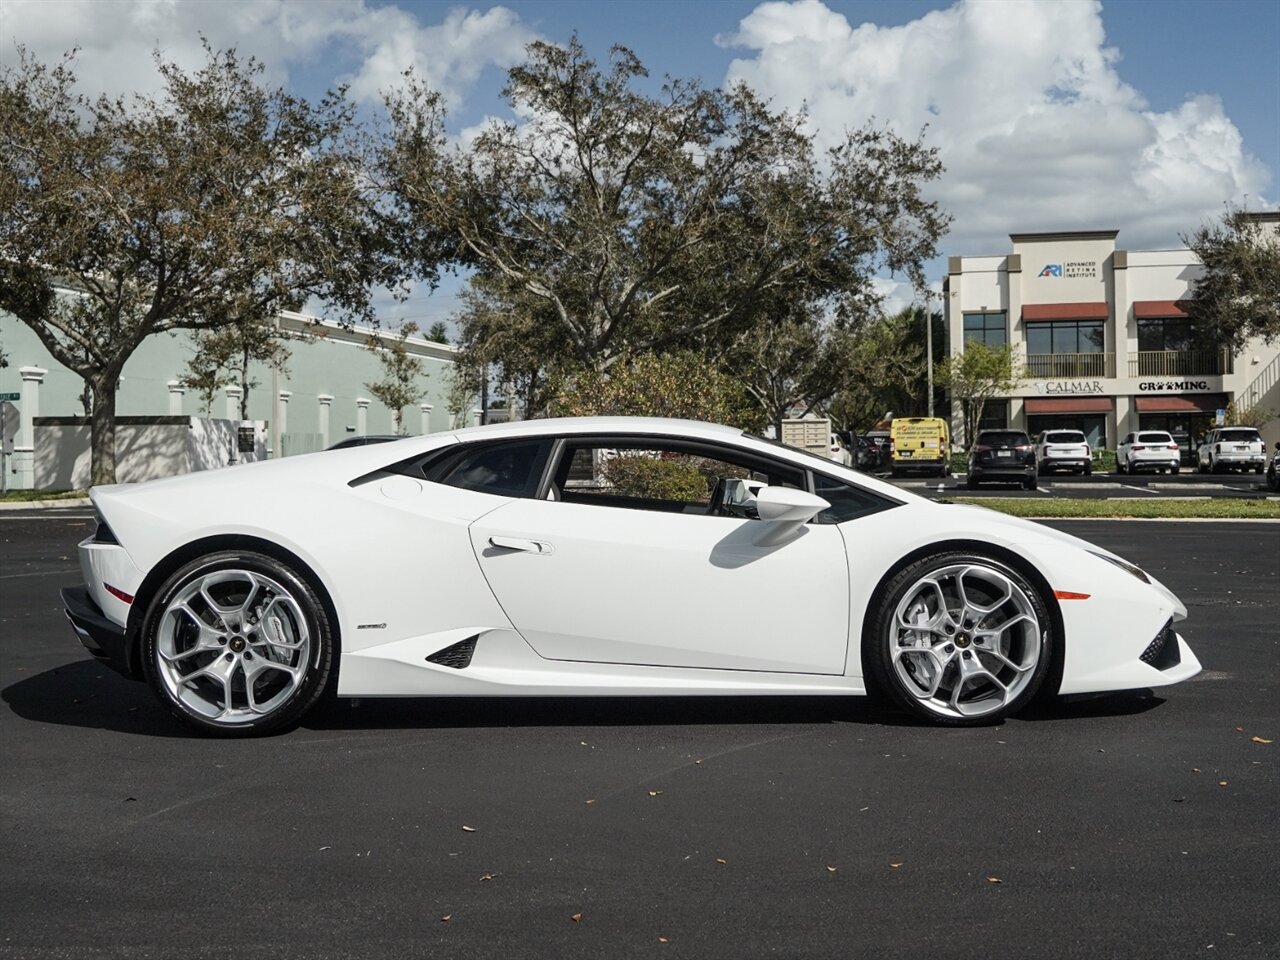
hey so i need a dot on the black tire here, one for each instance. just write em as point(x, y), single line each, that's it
point(1175, 470)
point(1031, 483)
point(306, 616)
point(1088, 471)
point(1119, 467)
point(877, 641)
point(972, 483)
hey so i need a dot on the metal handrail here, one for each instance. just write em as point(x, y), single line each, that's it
point(1179, 363)
point(1045, 366)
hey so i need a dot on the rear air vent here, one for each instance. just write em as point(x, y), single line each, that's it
point(1162, 652)
point(457, 656)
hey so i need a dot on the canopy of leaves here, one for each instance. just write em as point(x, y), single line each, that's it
point(682, 385)
point(616, 222)
point(1238, 296)
point(218, 202)
point(887, 371)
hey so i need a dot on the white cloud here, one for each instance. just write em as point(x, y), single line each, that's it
point(1024, 100)
point(374, 45)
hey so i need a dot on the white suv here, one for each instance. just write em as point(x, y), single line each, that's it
point(1063, 450)
point(1232, 448)
point(1153, 449)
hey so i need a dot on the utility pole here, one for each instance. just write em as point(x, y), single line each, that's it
point(928, 350)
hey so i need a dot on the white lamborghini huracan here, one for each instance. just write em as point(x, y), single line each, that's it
point(602, 556)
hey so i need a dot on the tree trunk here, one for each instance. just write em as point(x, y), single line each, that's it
point(102, 430)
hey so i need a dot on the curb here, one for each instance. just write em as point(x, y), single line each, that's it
point(47, 504)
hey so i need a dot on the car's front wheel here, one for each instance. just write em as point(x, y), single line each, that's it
point(960, 639)
point(237, 644)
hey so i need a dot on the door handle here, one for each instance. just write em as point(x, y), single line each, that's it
point(539, 547)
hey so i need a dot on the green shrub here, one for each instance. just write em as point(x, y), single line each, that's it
point(642, 475)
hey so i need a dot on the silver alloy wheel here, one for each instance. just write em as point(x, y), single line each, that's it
point(965, 640)
point(232, 646)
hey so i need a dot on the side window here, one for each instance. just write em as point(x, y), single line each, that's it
point(847, 501)
point(656, 475)
point(511, 469)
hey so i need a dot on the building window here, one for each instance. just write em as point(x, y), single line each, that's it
point(995, 415)
point(1164, 333)
point(1067, 348)
point(988, 328)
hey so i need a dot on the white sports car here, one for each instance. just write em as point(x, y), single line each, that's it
point(598, 556)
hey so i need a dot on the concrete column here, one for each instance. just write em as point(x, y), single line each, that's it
point(176, 390)
point(326, 401)
point(234, 394)
point(476, 414)
point(426, 409)
point(23, 462)
point(362, 417)
point(282, 411)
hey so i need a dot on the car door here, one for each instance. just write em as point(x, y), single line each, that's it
point(592, 577)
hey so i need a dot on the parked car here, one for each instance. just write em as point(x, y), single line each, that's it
point(363, 441)
point(919, 443)
point(880, 438)
point(1273, 471)
point(838, 452)
point(1063, 450)
point(866, 454)
point(1148, 450)
point(467, 564)
point(1232, 448)
point(1003, 456)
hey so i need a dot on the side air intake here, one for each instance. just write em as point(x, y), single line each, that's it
point(1162, 652)
point(457, 656)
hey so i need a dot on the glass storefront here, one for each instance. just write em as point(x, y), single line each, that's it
point(1092, 425)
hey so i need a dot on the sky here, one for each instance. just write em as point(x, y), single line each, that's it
point(1145, 116)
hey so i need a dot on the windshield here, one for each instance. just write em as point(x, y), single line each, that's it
point(1241, 436)
point(1004, 436)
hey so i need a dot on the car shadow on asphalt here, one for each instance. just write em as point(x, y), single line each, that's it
point(87, 694)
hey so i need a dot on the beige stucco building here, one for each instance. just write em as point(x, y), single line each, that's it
point(1104, 338)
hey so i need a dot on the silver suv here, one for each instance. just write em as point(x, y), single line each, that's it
point(1063, 450)
point(1232, 448)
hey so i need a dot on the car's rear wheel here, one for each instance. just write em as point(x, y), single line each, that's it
point(960, 639)
point(237, 644)
point(1030, 483)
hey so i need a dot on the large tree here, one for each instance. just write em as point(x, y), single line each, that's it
point(1238, 296)
point(215, 203)
point(625, 221)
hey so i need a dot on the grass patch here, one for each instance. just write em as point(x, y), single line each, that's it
point(28, 496)
point(1215, 509)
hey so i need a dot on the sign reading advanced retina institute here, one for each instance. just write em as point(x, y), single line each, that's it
point(1071, 270)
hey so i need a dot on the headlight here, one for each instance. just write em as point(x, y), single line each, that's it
point(1124, 565)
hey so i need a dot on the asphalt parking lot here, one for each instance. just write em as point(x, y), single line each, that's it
point(1136, 825)
point(1100, 486)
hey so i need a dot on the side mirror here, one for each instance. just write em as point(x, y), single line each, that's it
point(785, 510)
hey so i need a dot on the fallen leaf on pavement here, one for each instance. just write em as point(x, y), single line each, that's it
point(589, 802)
point(662, 940)
point(831, 869)
point(446, 918)
point(718, 860)
point(1259, 740)
point(1195, 769)
point(1239, 729)
point(654, 793)
point(487, 876)
point(994, 880)
point(895, 865)
point(576, 918)
point(466, 829)
point(1222, 783)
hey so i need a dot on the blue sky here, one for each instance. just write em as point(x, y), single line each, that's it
point(1141, 115)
